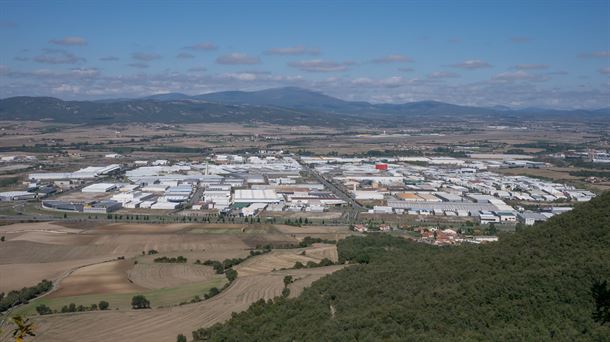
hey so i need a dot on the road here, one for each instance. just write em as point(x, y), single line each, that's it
point(341, 193)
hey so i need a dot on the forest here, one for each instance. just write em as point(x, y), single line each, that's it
point(537, 284)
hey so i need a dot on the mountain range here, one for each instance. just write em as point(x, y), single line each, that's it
point(285, 106)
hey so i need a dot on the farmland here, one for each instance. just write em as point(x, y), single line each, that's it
point(111, 262)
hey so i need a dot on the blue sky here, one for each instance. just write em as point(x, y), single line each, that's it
point(514, 53)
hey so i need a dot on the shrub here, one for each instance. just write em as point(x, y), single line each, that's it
point(103, 305)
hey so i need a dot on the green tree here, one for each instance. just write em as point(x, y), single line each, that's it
point(287, 280)
point(231, 274)
point(103, 305)
point(140, 302)
point(181, 338)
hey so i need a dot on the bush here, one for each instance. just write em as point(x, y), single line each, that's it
point(181, 338)
point(287, 280)
point(213, 292)
point(43, 309)
point(231, 274)
point(103, 305)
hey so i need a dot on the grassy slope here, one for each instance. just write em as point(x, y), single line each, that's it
point(122, 301)
point(533, 285)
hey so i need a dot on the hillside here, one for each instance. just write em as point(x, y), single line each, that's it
point(286, 106)
point(534, 285)
point(150, 110)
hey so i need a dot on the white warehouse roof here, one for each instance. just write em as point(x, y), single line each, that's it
point(251, 196)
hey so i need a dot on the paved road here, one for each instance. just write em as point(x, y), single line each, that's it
point(341, 193)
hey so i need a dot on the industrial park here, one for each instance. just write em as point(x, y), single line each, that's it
point(281, 185)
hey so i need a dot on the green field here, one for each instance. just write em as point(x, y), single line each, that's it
point(122, 301)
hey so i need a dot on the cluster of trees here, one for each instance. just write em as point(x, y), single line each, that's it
point(43, 309)
point(226, 264)
point(308, 241)
point(23, 296)
point(311, 264)
point(540, 283)
point(173, 260)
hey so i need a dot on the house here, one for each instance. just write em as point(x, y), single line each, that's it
point(385, 228)
point(360, 228)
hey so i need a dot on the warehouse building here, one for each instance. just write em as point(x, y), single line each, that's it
point(102, 207)
point(256, 196)
point(99, 187)
point(16, 196)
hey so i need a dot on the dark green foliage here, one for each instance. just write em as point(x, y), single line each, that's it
point(217, 265)
point(73, 308)
point(43, 310)
point(173, 260)
point(103, 305)
point(228, 263)
point(211, 293)
point(22, 296)
point(181, 338)
point(152, 252)
point(231, 274)
point(601, 295)
point(308, 241)
point(140, 302)
point(287, 280)
point(534, 285)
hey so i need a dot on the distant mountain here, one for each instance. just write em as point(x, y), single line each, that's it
point(168, 97)
point(288, 106)
point(182, 111)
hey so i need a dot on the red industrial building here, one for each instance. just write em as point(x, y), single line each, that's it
point(382, 167)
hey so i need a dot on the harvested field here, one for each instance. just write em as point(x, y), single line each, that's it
point(255, 281)
point(107, 277)
point(158, 276)
point(18, 275)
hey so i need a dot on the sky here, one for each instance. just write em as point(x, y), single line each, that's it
point(537, 53)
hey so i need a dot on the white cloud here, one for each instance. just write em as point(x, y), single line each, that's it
point(55, 56)
point(520, 75)
point(596, 54)
point(145, 56)
point(471, 64)
point(69, 41)
point(202, 47)
point(531, 66)
point(237, 58)
point(443, 75)
point(293, 51)
point(319, 65)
